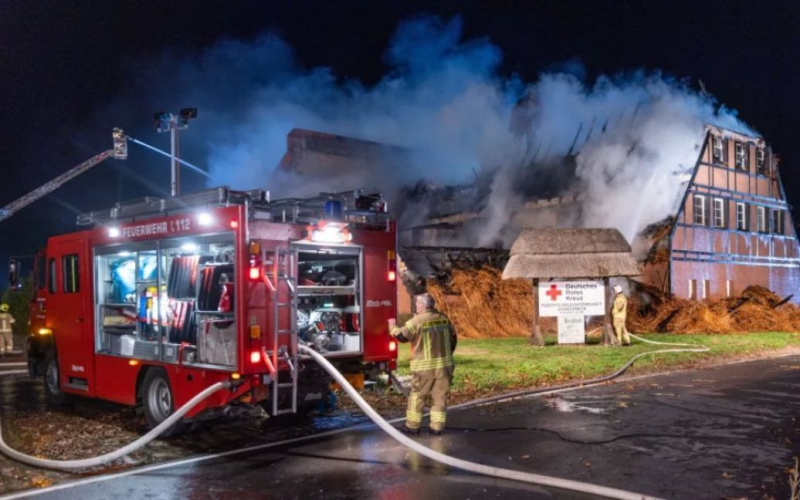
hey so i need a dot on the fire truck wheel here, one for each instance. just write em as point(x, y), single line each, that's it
point(52, 383)
point(158, 402)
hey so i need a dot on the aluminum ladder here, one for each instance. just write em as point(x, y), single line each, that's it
point(284, 270)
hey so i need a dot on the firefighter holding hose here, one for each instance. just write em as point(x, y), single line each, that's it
point(433, 341)
point(619, 314)
point(6, 335)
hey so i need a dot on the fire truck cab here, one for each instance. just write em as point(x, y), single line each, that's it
point(160, 298)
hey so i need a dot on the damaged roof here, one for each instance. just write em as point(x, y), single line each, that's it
point(570, 253)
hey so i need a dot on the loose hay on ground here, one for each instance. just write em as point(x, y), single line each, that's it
point(483, 305)
point(754, 311)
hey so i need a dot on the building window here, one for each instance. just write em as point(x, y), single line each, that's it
point(700, 210)
point(761, 219)
point(717, 149)
point(777, 222)
point(741, 217)
point(742, 158)
point(719, 213)
point(761, 161)
point(705, 289)
point(70, 281)
point(693, 289)
point(728, 288)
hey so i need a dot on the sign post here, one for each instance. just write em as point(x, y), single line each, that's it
point(571, 302)
point(536, 338)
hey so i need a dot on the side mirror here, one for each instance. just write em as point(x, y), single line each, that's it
point(13, 273)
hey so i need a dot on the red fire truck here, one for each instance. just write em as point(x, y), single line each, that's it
point(160, 298)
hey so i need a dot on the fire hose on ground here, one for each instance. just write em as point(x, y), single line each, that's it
point(454, 462)
point(87, 463)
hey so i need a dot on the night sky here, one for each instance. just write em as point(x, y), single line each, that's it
point(64, 62)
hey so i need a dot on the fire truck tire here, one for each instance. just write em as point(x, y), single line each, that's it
point(55, 397)
point(158, 402)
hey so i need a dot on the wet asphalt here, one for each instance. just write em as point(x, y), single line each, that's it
point(724, 432)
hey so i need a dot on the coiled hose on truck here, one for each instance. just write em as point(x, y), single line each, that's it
point(458, 463)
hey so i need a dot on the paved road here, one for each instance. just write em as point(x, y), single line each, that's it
point(13, 362)
point(726, 432)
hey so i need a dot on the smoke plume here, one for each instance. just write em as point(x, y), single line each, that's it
point(445, 100)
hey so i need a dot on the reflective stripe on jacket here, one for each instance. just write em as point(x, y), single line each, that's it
point(433, 341)
point(6, 320)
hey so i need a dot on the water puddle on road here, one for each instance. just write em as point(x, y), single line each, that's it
point(568, 406)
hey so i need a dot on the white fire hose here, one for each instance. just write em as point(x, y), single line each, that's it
point(458, 463)
point(87, 463)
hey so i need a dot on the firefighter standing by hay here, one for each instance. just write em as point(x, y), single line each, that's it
point(433, 341)
point(619, 314)
point(6, 334)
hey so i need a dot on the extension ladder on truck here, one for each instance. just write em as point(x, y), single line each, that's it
point(281, 272)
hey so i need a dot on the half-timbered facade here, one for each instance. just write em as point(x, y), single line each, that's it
point(733, 228)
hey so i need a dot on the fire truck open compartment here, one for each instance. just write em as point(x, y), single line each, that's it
point(165, 299)
point(329, 298)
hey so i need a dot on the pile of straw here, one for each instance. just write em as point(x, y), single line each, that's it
point(480, 304)
point(753, 311)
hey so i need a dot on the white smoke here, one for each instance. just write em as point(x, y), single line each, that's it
point(645, 131)
point(444, 98)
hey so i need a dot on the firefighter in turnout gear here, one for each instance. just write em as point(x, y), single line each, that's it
point(433, 341)
point(619, 313)
point(6, 335)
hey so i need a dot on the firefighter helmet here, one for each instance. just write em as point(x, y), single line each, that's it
point(617, 289)
point(4, 308)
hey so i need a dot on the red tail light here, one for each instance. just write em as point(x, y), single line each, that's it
point(392, 346)
point(255, 357)
point(391, 258)
point(255, 273)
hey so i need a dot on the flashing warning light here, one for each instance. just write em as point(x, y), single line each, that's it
point(114, 232)
point(255, 357)
point(45, 331)
point(255, 272)
point(392, 346)
point(234, 224)
point(331, 234)
point(392, 276)
point(133, 362)
point(205, 219)
point(235, 376)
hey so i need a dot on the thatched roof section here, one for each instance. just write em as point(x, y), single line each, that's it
point(570, 253)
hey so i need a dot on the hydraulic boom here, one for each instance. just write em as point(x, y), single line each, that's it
point(119, 152)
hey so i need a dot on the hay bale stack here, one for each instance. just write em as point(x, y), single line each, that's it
point(481, 304)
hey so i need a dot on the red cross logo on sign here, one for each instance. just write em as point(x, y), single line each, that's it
point(553, 293)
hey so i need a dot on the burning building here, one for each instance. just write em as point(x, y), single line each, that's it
point(727, 228)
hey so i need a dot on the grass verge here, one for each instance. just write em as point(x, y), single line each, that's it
point(493, 366)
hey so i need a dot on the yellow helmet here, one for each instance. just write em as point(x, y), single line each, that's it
point(4, 308)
